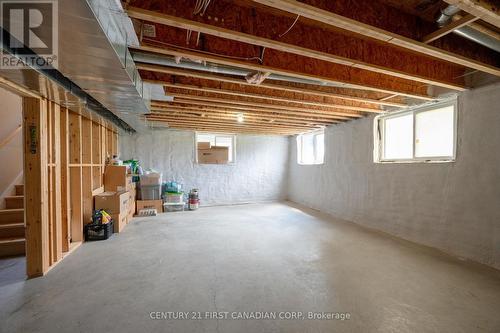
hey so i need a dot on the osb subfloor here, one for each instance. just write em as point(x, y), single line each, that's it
point(265, 259)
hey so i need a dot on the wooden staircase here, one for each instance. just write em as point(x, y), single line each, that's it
point(12, 241)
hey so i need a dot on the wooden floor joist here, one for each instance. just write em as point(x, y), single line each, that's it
point(486, 10)
point(226, 129)
point(240, 107)
point(253, 114)
point(342, 22)
point(466, 20)
point(279, 87)
point(272, 98)
point(249, 118)
point(227, 122)
point(190, 25)
point(303, 74)
point(256, 104)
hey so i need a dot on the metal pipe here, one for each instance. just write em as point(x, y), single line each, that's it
point(214, 68)
point(478, 37)
point(465, 31)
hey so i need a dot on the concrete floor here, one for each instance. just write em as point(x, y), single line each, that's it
point(265, 257)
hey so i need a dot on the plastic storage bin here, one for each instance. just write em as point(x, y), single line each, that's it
point(173, 207)
point(150, 179)
point(174, 197)
point(152, 192)
point(94, 232)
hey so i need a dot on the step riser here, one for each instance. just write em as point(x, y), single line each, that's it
point(11, 217)
point(12, 232)
point(19, 189)
point(13, 203)
point(12, 249)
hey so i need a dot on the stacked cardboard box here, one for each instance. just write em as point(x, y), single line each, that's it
point(115, 204)
point(150, 204)
point(212, 155)
point(118, 200)
point(117, 178)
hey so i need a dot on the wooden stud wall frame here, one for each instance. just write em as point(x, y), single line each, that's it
point(64, 159)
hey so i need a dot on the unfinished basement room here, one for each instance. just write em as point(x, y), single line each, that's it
point(250, 166)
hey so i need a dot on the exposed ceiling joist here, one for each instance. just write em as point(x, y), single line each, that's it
point(197, 125)
point(486, 10)
point(179, 22)
point(230, 130)
point(238, 107)
point(251, 114)
point(467, 19)
point(272, 98)
point(256, 104)
point(279, 87)
point(299, 73)
point(248, 122)
point(335, 20)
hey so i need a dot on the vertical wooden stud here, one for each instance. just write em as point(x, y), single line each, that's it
point(36, 187)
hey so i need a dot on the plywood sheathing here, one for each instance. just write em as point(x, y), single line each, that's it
point(334, 41)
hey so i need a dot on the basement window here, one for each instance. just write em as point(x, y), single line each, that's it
point(425, 134)
point(215, 148)
point(311, 148)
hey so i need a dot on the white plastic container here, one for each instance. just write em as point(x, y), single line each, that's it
point(173, 207)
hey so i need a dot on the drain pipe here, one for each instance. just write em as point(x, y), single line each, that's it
point(465, 31)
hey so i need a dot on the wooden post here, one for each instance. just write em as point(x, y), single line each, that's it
point(75, 153)
point(65, 179)
point(36, 186)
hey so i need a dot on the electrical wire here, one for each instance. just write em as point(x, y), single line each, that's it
point(288, 30)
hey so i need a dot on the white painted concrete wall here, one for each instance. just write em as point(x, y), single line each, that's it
point(12, 153)
point(454, 207)
point(259, 174)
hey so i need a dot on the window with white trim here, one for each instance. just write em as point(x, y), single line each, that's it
point(311, 148)
point(216, 140)
point(424, 134)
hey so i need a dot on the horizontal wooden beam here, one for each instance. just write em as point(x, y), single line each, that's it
point(481, 27)
point(256, 104)
point(303, 74)
point(335, 20)
point(271, 98)
point(486, 10)
point(247, 113)
point(279, 87)
point(216, 121)
point(219, 127)
point(467, 19)
point(240, 108)
point(179, 22)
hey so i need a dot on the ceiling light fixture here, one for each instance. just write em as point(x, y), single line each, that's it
point(240, 117)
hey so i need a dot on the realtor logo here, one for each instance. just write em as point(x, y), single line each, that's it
point(29, 34)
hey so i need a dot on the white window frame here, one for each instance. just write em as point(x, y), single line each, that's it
point(233, 137)
point(299, 137)
point(379, 134)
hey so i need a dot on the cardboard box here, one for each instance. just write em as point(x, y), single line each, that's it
point(112, 202)
point(116, 178)
point(119, 221)
point(145, 204)
point(214, 155)
point(203, 145)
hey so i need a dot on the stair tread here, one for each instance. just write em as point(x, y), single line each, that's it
point(14, 196)
point(10, 225)
point(11, 210)
point(12, 240)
